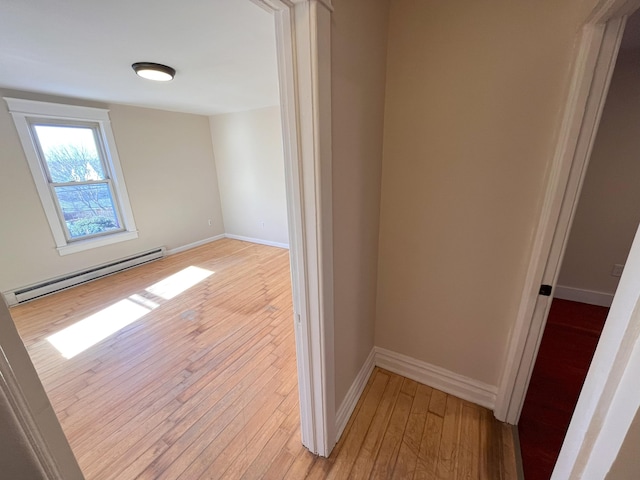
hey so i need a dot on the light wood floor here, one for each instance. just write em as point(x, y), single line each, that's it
point(204, 385)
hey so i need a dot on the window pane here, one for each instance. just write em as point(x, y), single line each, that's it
point(70, 153)
point(87, 209)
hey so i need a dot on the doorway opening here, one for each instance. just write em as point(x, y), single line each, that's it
point(303, 53)
point(604, 409)
point(602, 232)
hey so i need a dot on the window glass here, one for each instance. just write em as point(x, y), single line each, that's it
point(87, 209)
point(70, 153)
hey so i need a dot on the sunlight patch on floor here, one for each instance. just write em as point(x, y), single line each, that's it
point(89, 331)
point(95, 328)
point(177, 283)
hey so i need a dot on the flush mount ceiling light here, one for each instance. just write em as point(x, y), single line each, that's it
point(154, 71)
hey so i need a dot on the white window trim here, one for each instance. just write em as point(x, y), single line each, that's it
point(22, 110)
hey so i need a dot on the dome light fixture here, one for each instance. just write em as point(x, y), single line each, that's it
point(154, 71)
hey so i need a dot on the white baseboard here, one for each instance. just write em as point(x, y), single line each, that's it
point(189, 246)
point(225, 235)
point(353, 395)
point(257, 240)
point(463, 387)
point(583, 296)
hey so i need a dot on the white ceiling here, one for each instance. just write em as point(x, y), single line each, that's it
point(223, 50)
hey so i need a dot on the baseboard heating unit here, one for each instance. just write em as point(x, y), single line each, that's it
point(47, 287)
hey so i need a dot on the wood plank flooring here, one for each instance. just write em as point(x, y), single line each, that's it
point(203, 385)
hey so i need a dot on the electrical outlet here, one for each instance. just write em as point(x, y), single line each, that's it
point(210, 222)
point(617, 269)
point(262, 224)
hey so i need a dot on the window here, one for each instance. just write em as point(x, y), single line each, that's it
point(74, 163)
point(78, 179)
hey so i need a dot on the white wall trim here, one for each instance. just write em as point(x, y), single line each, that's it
point(257, 240)
point(51, 109)
point(581, 295)
point(353, 394)
point(189, 246)
point(82, 245)
point(449, 382)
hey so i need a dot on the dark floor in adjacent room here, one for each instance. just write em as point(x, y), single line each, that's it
point(567, 347)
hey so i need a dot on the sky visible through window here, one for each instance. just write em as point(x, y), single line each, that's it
point(55, 136)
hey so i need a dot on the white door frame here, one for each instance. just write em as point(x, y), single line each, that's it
point(45, 445)
point(593, 68)
point(605, 408)
point(304, 61)
point(303, 30)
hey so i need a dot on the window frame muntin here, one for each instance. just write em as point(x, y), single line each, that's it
point(20, 110)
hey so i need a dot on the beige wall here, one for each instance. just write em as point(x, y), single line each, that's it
point(250, 163)
point(627, 464)
point(609, 210)
point(474, 97)
point(358, 49)
point(170, 174)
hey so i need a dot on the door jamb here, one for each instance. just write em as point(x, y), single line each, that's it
point(303, 30)
point(593, 68)
point(608, 401)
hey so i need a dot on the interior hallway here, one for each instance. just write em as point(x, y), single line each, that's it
point(201, 382)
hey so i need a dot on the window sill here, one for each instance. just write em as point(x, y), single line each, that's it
point(82, 245)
